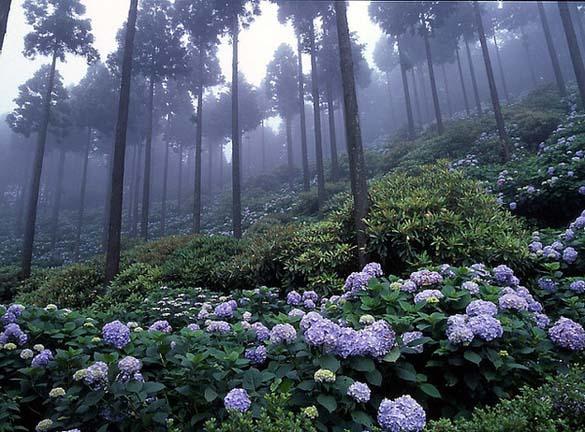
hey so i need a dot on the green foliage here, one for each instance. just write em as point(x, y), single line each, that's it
point(8, 282)
point(157, 252)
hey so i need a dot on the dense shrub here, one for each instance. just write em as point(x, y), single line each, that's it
point(9, 280)
point(158, 251)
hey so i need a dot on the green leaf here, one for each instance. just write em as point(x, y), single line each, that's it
point(430, 390)
point(329, 362)
point(472, 357)
point(392, 356)
point(362, 418)
point(328, 402)
point(210, 394)
point(363, 364)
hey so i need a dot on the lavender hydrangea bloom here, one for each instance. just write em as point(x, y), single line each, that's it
point(373, 270)
point(458, 330)
point(567, 334)
point(428, 295)
point(309, 304)
point(579, 222)
point(535, 247)
point(117, 334)
point(283, 333)
point(550, 253)
point(581, 190)
point(42, 359)
point(547, 284)
point(570, 255)
point(12, 314)
point(96, 376)
point(485, 327)
point(503, 275)
point(160, 326)
point(356, 282)
point(569, 235)
point(256, 356)
point(513, 302)
point(310, 319)
point(557, 245)
point(296, 313)
point(481, 307)
point(130, 369)
point(409, 286)
point(220, 327)
point(379, 339)
point(323, 333)
point(310, 295)
point(541, 320)
point(193, 327)
point(409, 337)
point(237, 400)
point(403, 414)
point(578, 286)
point(360, 392)
point(13, 332)
point(424, 278)
point(471, 286)
point(261, 331)
point(293, 298)
point(224, 310)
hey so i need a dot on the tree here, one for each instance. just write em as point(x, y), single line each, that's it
point(573, 45)
point(281, 88)
point(58, 28)
point(4, 12)
point(551, 50)
point(387, 59)
point(357, 169)
point(115, 218)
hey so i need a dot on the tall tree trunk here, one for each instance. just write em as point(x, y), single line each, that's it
point(526, 46)
point(210, 167)
point(25, 192)
point(4, 12)
point(551, 50)
point(136, 209)
point(437, 105)
point(236, 158)
point(132, 187)
point(421, 81)
point(198, 150)
point(406, 90)
point(390, 102)
point(58, 195)
point(31, 212)
point(263, 146)
point(108, 198)
point(221, 168)
point(289, 151)
point(147, 163)
point(492, 84)
point(317, 121)
point(82, 192)
point(115, 220)
point(501, 68)
point(581, 33)
point(465, 100)
point(180, 182)
point(163, 218)
point(332, 134)
point(355, 151)
point(473, 80)
point(303, 131)
point(416, 98)
point(446, 82)
point(576, 58)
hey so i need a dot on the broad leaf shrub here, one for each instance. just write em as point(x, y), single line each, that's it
point(437, 343)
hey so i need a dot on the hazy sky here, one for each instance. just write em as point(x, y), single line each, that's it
point(257, 43)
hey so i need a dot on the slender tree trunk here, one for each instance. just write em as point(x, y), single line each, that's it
point(465, 100)
point(24, 194)
point(289, 151)
point(147, 163)
point(303, 131)
point(355, 151)
point(115, 220)
point(576, 58)
point(551, 50)
point(526, 46)
point(492, 84)
point(332, 134)
point(108, 198)
point(4, 12)
point(446, 81)
point(437, 105)
point(221, 168)
point(390, 102)
point(180, 182)
point(210, 167)
point(82, 192)
point(136, 209)
point(581, 33)
point(264, 146)
point(132, 187)
point(236, 158)
point(317, 121)
point(198, 149)
point(58, 195)
point(163, 218)
point(473, 80)
point(501, 68)
point(421, 83)
point(416, 98)
point(406, 90)
point(31, 216)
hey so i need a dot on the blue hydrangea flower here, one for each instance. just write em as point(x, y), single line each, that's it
point(409, 286)
point(578, 286)
point(193, 327)
point(379, 339)
point(310, 295)
point(296, 313)
point(403, 414)
point(485, 327)
point(293, 298)
point(237, 400)
point(359, 392)
point(225, 310)
point(409, 337)
point(220, 327)
point(261, 331)
point(117, 334)
point(323, 333)
point(356, 282)
point(309, 304)
point(13, 332)
point(42, 359)
point(570, 255)
point(513, 302)
point(535, 247)
point(373, 270)
point(567, 334)
point(429, 295)
point(160, 326)
point(503, 275)
point(458, 330)
point(283, 333)
point(424, 278)
point(130, 369)
point(471, 286)
point(309, 319)
point(541, 320)
point(547, 284)
point(96, 376)
point(256, 356)
point(481, 307)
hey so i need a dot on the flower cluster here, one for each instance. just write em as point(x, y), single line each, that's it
point(95, 376)
point(13, 332)
point(568, 334)
point(360, 392)
point(226, 309)
point(116, 334)
point(409, 337)
point(283, 334)
point(129, 368)
point(428, 296)
point(479, 321)
point(42, 359)
point(12, 314)
point(257, 355)
point(358, 281)
point(219, 327)
point(160, 326)
point(403, 414)
point(324, 376)
point(237, 400)
point(425, 278)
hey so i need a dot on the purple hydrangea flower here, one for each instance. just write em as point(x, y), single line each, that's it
point(535, 247)
point(426, 295)
point(13, 332)
point(558, 245)
point(117, 334)
point(309, 304)
point(567, 334)
point(261, 331)
point(403, 414)
point(547, 284)
point(293, 298)
point(458, 330)
point(237, 400)
point(373, 270)
point(471, 286)
point(12, 314)
point(579, 222)
point(296, 313)
point(570, 255)
point(578, 286)
point(193, 327)
point(356, 282)
point(160, 326)
point(283, 333)
point(581, 190)
point(485, 327)
point(225, 310)
point(359, 392)
point(42, 359)
point(424, 278)
point(378, 339)
point(130, 369)
point(310, 295)
point(310, 319)
point(409, 337)
point(513, 302)
point(503, 275)
point(569, 235)
point(409, 286)
point(542, 321)
point(481, 307)
point(323, 333)
point(256, 356)
point(550, 253)
point(219, 327)
point(513, 206)
point(96, 375)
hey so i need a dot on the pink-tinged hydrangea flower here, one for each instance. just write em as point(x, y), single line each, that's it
point(412, 336)
point(481, 307)
point(359, 392)
point(283, 333)
point(403, 414)
point(160, 326)
point(471, 287)
point(578, 286)
point(293, 298)
point(567, 334)
point(237, 400)
point(219, 327)
point(42, 359)
point(256, 356)
point(424, 278)
point(513, 302)
point(429, 295)
point(485, 327)
point(117, 334)
point(261, 331)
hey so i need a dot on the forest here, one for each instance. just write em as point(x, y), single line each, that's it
point(292, 216)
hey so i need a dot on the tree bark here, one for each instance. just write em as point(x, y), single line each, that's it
point(492, 83)
point(446, 82)
point(289, 151)
point(355, 152)
point(147, 163)
point(304, 151)
point(321, 196)
point(264, 146)
point(501, 68)
point(198, 149)
point(390, 102)
point(465, 100)
point(209, 167)
point(31, 213)
point(136, 201)
point(58, 195)
point(332, 134)
point(576, 58)
point(132, 186)
point(163, 218)
point(25, 192)
point(180, 182)
point(82, 192)
point(581, 33)
point(115, 220)
point(236, 178)
point(437, 105)
point(551, 50)
point(416, 99)
point(4, 12)
point(473, 80)
point(525, 45)
point(421, 81)
point(406, 90)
